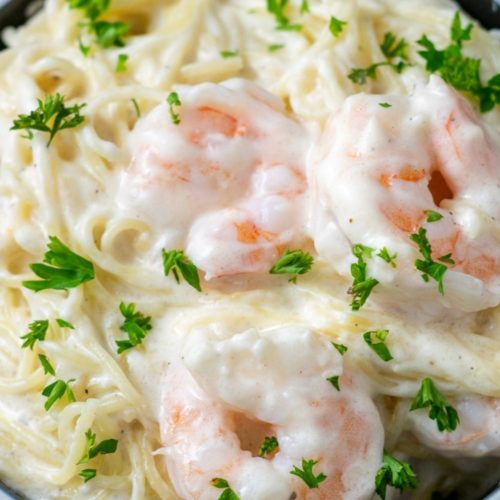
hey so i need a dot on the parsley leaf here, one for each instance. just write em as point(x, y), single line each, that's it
point(136, 107)
point(47, 367)
point(228, 493)
point(177, 262)
point(88, 474)
point(293, 262)
point(37, 331)
point(273, 47)
point(92, 8)
point(394, 473)
point(56, 391)
point(334, 380)
point(135, 325)
point(121, 63)
point(393, 50)
point(307, 474)
point(432, 216)
point(428, 267)
point(440, 410)
point(64, 324)
point(173, 100)
point(385, 105)
point(460, 71)
point(378, 347)
point(51, 116)
point(362, 285)
point(304, 6)
point(228, 53)
point(269, 445)
point(66, 269)
point(341, 348)
point(92, 450)
point(277, 8)
point(385, 255)
point(336, 26)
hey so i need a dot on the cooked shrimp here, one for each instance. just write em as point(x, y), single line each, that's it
point(379, 170)
point(275, 380)
point(227, 182)
point(477, 434)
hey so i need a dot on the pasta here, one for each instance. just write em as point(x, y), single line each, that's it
point(75, 190)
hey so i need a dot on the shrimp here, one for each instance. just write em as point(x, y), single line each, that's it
point(227, 183)
point(378, 171)
point(271, 383)
point(478, 433)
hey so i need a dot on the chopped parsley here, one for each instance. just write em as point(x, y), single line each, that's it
point(432, 216)
point(37, 331)
point(378, 344)
point(47, 367)
point(88, 474)
point(136, 107)
point(177, 262)
point(340, 347)
point(56, 391)
point(384, 254)
point(273, 47)
point(228, 493)
point(304, 6)
point(64, 324)
point(173, 100)
point(393, 50)
point(293, 262)
point(334, 380)
point(306, 473)
point(394, 473)
point(269, 445)
point(440, 410)
point(121, 63)
point(228, 53)
point(66, 269)
point(362, 285)
point(51, 116)
point(105, 33)
point(460, 71)
point(428, 267)
point(92, 450)
point(135, 325)
point(336, 26)
point(277, 8)
point(385, 105)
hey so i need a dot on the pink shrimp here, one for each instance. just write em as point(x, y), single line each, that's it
point(381, 169)
point(228, 394)
point(227, 183)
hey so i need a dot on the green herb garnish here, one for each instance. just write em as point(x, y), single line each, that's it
point(66, 269)
point(228, 493)
point(307, 474)
point(334, 380)
point(394, 473)
point(51, 116)
point(384, 254)
point(177, 262)
point(440, 410)
point(269, 445)
point(37, 331)
point(432, 216)
point(56, 391)
point(378, 345)
point(336, 26)
point(88, 474)
point(47, 367)
point(293, 262)
point(92, 450)
point(135, 325)
point(341, 348)
point(173, 100)
point(362, 285)
point(121, 63)
point(228, 53)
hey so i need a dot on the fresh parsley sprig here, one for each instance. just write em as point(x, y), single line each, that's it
point(37, 332)
point(375, 339)
point(65, 269)
point(394, 473)
point(307, 475)
point(460, 71)
point(336, 26)
point(362, 285)
point(135, 325)
point(269, 445)
point(177, 262)
point(427, 266)
point(384, 254)
point(293, 262)
point(92, 450)
point(51, 116)
point(393, 50)
point(56, 391)
point(440, 410)
point(228, 493)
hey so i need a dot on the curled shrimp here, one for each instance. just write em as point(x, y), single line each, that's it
point(227, 394)
point(227, 183)
point(477, 435)
point(381, 169)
